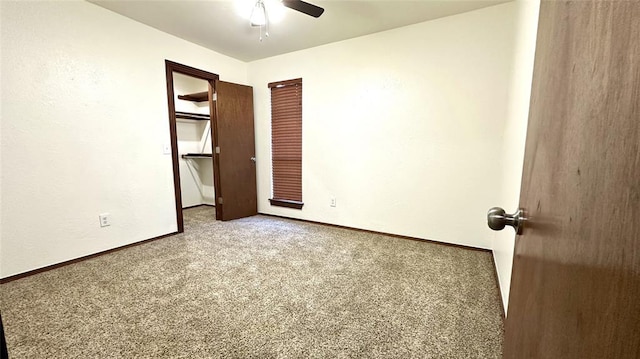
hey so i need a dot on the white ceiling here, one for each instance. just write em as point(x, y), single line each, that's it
point(217, 24)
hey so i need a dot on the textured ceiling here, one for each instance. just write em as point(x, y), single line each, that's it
point(218, 25)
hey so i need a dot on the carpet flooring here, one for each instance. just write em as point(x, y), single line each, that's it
point(260, 287)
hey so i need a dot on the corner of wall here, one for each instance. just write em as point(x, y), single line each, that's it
point(525, 32)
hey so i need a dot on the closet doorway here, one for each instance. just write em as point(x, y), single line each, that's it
point(212, 143)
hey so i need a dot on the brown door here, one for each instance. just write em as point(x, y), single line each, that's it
point(575, 290)
point(234, 166)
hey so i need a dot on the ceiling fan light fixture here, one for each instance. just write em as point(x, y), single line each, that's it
point(260, 18)
point(259, 14)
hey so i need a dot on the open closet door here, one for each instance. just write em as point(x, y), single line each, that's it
point(234, 162)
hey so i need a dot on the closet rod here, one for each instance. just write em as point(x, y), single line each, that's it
point(197, 155)
point(192, 116)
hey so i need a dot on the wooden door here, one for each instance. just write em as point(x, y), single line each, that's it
point(234, 165)
point(575, 290)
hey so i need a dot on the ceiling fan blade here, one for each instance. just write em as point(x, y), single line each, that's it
point(303, 7)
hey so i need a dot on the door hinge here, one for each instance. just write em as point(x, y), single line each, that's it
point(220, 201)
point(217, 149)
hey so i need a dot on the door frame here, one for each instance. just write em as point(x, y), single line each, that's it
point(170, 68)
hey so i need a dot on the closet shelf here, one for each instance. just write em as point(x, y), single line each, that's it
point(197, 155)
point(195, 97)
point(192, 116)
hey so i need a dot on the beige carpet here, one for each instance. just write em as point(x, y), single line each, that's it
point(261, 287)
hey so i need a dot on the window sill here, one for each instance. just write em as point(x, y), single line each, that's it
point(286, 203)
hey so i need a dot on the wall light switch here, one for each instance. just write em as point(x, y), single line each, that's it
point(166, 148)
point(333, 202)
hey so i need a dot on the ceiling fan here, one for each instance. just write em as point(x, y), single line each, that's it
point(304, 7)
point(260, 18)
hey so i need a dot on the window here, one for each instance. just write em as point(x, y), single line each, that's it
point(286, 143)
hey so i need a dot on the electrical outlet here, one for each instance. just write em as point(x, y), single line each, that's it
point(105, 219)
point(333, 201)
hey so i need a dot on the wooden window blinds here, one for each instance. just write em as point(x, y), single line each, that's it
point(286, 143)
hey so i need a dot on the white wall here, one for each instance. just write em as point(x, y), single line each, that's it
point(0, 150)
point(84, 118)
point(404, 127)
point(196, 174)
point(515, 131)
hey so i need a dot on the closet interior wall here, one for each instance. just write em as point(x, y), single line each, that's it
point(194, 137)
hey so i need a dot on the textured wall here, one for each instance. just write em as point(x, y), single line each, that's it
point(404, 127)
point(515, 129)
point(84, 118)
